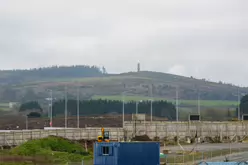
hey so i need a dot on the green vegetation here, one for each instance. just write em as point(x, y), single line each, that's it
point(4, 107)
point(31, 105)
point(205, 103)
point(52, 149)
point(94, 82)
point(243, 106)
point(100, 107)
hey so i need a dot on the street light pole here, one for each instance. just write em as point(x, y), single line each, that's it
point(66, 107)
point(198, 102)
point(78, 107)
point(51, 112)
point(123, 109)
point(26, 122)
point(151, 110)
point(151, 101)
point(136, 108)
point(238, 104)
point(177, 102)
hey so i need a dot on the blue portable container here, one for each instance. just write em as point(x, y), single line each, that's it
point(127, 153)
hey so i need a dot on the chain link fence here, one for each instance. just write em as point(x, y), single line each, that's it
point(192, 158)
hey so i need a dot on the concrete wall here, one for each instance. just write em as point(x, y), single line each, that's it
point(154, 129)
point(9, 138)
point(184, 129)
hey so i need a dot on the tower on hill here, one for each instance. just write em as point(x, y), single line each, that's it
point(138, 67)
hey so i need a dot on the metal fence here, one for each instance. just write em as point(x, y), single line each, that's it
point(234, 155)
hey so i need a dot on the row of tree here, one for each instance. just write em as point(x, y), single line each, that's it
point(20, 76)
point(243, 106)
point(100, 107)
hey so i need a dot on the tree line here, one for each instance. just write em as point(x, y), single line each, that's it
point(20, 76)
point(101, 107)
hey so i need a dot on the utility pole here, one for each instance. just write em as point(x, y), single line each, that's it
point(151, 109)
point(65, 106)
point(198, 102)
point(238, 104)
point(151, 101)
point(26, 122)
point(51, 103)
point(177, 102)
point(78, 107)
point(137, 108)
point(123, 109)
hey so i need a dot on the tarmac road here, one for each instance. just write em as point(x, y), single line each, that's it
point(236, 157)
point(208, 147)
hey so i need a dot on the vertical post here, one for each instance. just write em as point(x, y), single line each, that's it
point(177, 101)
point(51, 112)
point(78, 107)
point(151, 101)
point(151, 111)
point(66, 107)
point(137, 107)
point(198, 103)
point(238, 105)
point(123, 109)
point(26, 117)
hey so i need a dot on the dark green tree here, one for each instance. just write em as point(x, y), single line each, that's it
point(243, 106)
point(100, 107)
point(30, 106)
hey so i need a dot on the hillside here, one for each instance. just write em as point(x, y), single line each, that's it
point(35, 84)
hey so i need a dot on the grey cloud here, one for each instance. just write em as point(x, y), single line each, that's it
point(204, 39)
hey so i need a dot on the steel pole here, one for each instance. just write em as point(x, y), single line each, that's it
point(78, 107)
point(51, 112)
point(136, 108)
point(198, 102)
point(26, 122)
point(123, 110)
point(151, 110)
point(238, 105)
point(65, 107)
point(177, 103)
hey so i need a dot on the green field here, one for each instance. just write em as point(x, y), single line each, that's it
point(205, 103)
point(4, 106)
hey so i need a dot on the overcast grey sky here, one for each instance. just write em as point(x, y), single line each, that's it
point(200, 38)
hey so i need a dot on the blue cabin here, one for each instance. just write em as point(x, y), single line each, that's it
point(127, 153)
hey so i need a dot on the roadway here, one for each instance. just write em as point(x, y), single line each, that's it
point(236, 157)
point(207, 147)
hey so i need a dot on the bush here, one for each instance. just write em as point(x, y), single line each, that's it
point(57, 148)
point(34, 115)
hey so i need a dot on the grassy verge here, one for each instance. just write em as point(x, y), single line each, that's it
point(50, 150)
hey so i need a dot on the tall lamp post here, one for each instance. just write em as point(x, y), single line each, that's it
point(66, 107)
point(151, 108)
point(238, 104)
point(123, 106)
point(137, 105)
point(51, 111)
point(177, 111)
point(78, 92)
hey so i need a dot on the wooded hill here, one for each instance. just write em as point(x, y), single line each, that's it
point(34, 84)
